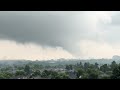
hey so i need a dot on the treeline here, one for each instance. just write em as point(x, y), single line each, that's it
point(71, 71)
point(94, 71)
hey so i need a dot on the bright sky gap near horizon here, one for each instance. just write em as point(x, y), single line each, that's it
point(46, 35)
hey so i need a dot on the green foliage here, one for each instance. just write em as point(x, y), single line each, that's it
point(36, 73)
point(56, 75)
point(20, 73)
point(80, 72)
point(86, 65)
point(69, 67)
point(85, 76)
point(79, 65)
point(96, 65)
point(20, 68)
point(45, 73)
point(116, 73)
point(92, 73)
point(113, 65)
point(104, 76)
point(104, 68)
point(27, 69)
point(6, 75)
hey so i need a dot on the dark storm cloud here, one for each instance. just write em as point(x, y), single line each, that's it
point(63, 29)
point(44, 28)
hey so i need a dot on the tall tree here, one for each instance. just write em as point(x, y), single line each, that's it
point(27, 69)
point(92, 74)
point(104, 68)
point(80, 72)
point(96, 65)
point(116, 73)
point(86, 65)
point(113, 65)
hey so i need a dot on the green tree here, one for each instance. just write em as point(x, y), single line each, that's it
point(104, 76)
point(36, 73)
point(62, 76)
point(86, 65)
point(27, 69)
point(92, 73)
point(79, 65)
point(116, 73)
point(45, 73)
point(104, 68)
point(20, 73)
point(37, 66)
point(6, 75)
point(113, 65)
point(54, 75)
point(96, 65)
point(85, 76)
point(80, 72)
point(69, 67)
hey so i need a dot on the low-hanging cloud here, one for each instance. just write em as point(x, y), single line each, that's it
point(44, 28)
point(54, 29)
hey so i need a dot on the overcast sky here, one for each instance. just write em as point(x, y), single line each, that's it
point(59, 34)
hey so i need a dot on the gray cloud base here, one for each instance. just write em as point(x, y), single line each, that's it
point(53, 29)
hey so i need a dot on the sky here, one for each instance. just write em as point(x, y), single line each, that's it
point(43, 35)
